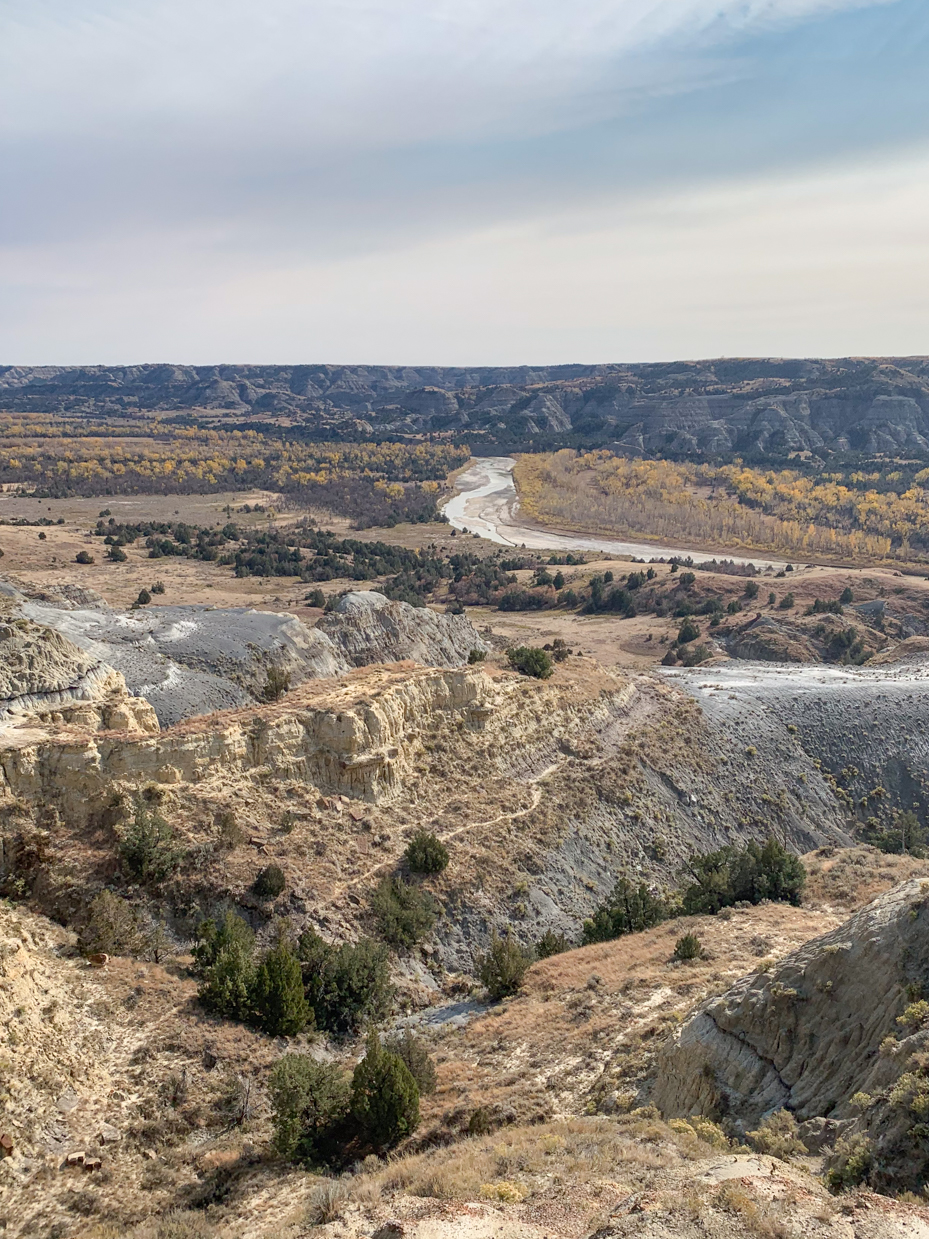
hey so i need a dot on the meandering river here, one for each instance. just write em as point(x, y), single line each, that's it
point(487, 504)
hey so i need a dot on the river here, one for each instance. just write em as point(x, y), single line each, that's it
point(487, 504)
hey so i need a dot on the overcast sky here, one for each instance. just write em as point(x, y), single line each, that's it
point(487, 181)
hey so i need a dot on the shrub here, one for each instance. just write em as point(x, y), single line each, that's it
point(850, 1164)
point(846, 595)
point(345, 985)
point(688, 631)
point(143, 599)
point(751, 589)
point(551, 944)
point(404, 913)
point(326, 1203)
point(476, 656)
point(528, 660)
point(412, 1051)
point(276, 684)
point(502, 969)
point(688, 947)
point(316, 598)
point(112, 927)
point(786, 602)
point(116, 555)
point(83, 557)
point(385, 1099)
point(915, 1015)
point(148, 849)
point(777, 1136)
point(628, 910)
point(269, 882)
point(308, 1100)
point(277, 998)
point(703, 1128)
point(157, 587)
point(223, 958)
point(425, 853)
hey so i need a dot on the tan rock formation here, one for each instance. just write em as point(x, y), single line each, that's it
point(805, 1035)
point(45, 679)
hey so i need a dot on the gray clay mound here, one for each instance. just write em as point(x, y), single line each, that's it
point(196, 659)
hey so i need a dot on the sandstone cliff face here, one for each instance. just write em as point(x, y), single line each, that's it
point(805, 1035)
point(338, 740)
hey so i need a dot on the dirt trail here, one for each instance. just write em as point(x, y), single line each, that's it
point(390, 863)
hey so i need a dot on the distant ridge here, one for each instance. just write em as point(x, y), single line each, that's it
point(759, 408)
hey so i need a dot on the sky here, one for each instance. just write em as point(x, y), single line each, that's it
point(481, 182)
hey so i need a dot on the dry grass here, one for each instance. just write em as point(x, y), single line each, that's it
point(848, 878)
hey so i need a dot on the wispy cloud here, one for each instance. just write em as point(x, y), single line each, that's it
point(159, 144)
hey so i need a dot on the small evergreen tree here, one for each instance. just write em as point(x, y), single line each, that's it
point(269, 882)
point(628, 910)
point(529, 660)
point(404, 913)
point(309, 1100)
point(426, 853)
point(148, 848)
point(502, 969)
point(223, 959)
point(226, 985)
point(277, 998)
point(346, 985)
point(688, 947)
point(688, 631)
point(551, 944)
point(112, 927)
point(385, 1098)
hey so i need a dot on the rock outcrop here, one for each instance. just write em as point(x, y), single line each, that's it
point(194, 660)
point(369, 628)
point(46, 679)
point(808, 1034)
point(337, 738)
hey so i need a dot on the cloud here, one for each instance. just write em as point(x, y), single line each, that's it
point(158, 152)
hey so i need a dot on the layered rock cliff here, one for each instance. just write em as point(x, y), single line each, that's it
point(836, 1033)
